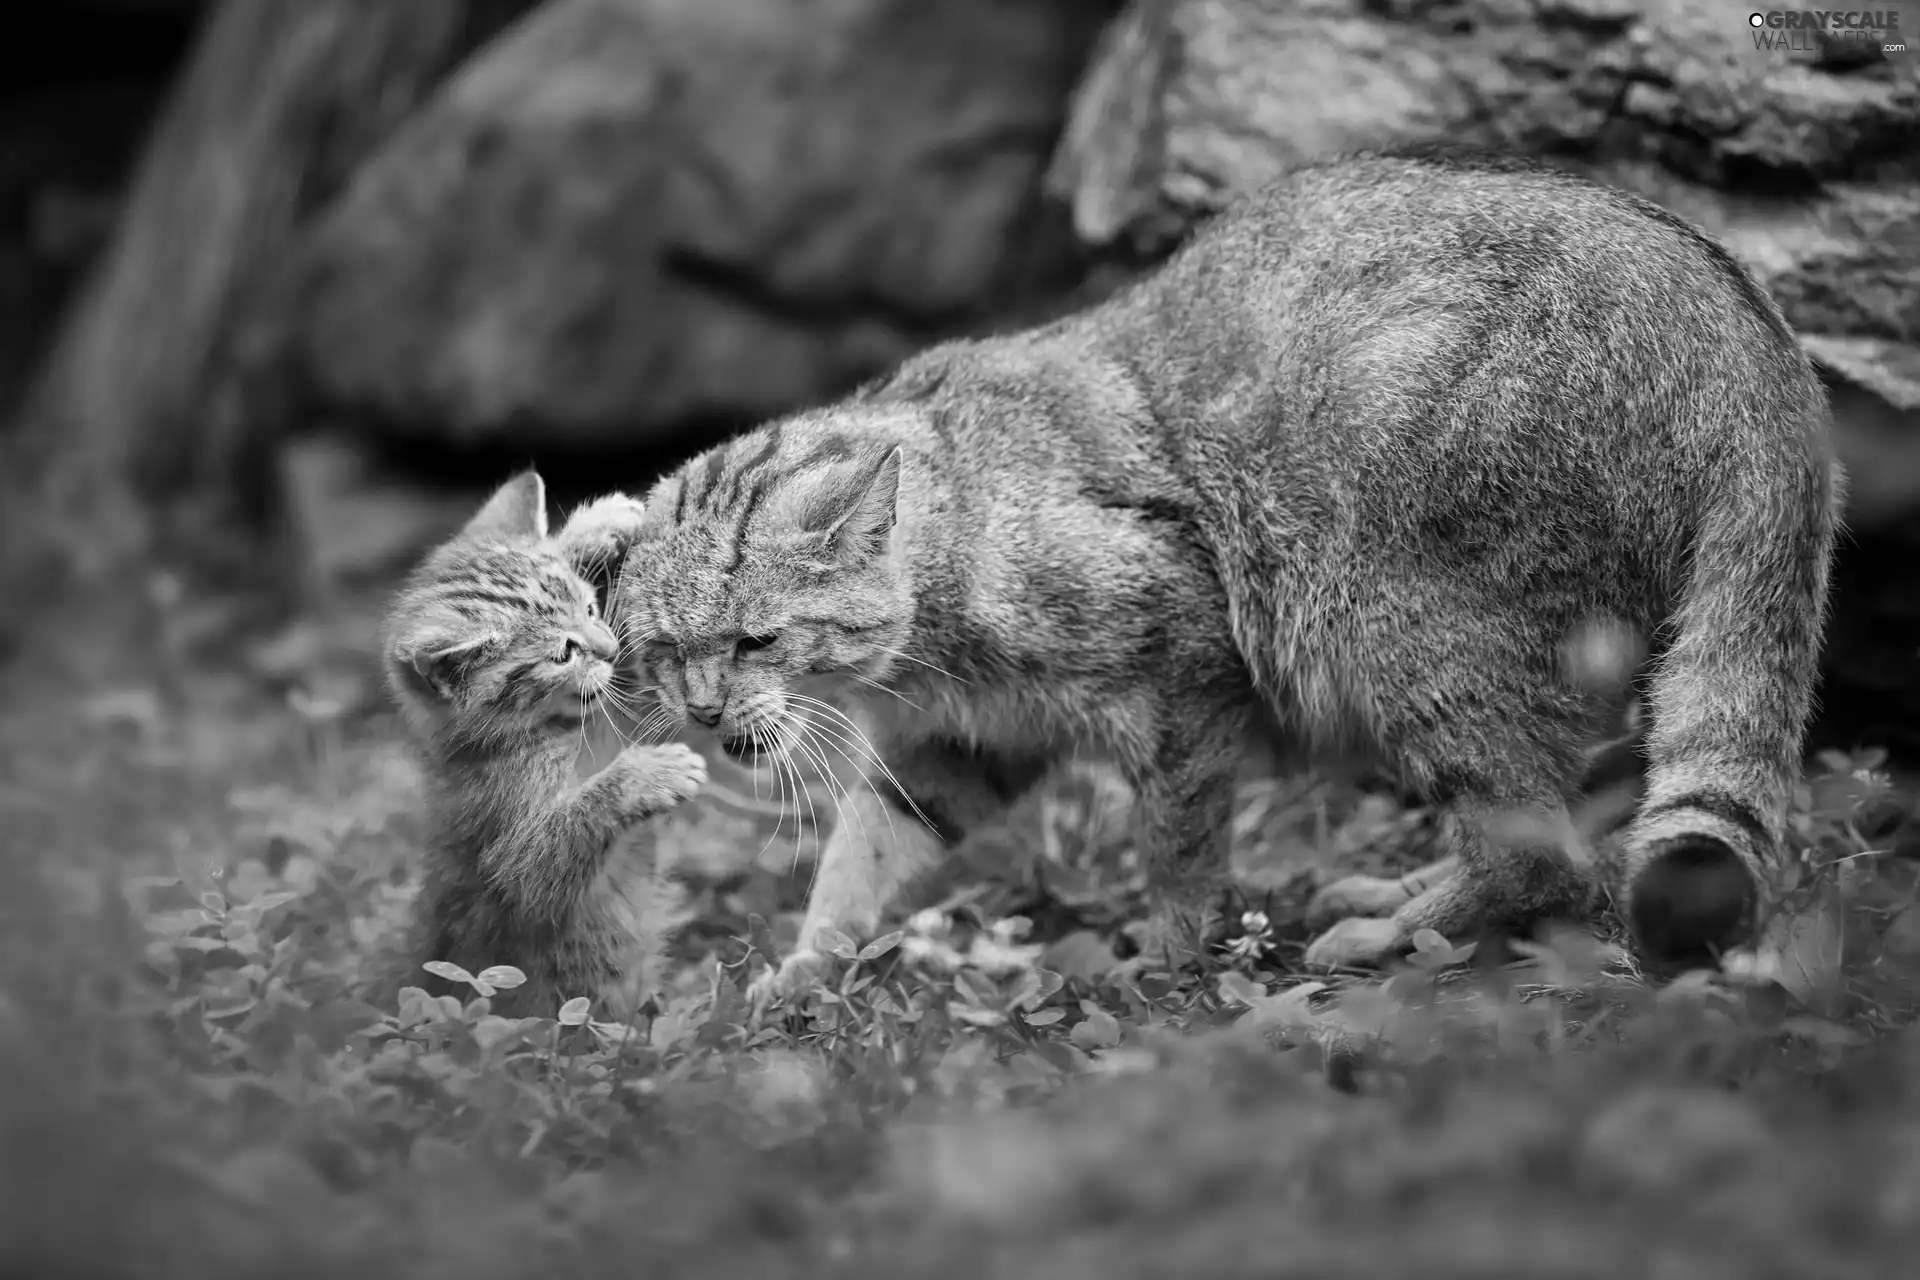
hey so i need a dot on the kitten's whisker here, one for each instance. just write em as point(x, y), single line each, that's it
point(665, 722)
point(606, 713)
point(619, 703)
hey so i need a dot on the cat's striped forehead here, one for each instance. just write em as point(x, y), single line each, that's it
point(725, 548)
point(723, 490)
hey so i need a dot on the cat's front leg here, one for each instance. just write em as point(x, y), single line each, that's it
point(885, 841)
point(873, 852)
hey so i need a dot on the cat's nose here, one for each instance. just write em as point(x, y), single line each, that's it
point(601, 640)
point(705, 713)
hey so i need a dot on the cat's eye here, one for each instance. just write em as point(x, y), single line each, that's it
point(747, 644)
point(570, 649)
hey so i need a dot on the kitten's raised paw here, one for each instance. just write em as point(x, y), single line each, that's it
point(796, 974)
point(1359, 896)
point(664, 775)
point(600, 531)
point(1359, 942)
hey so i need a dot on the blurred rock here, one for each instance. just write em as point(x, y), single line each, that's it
point(355, 521)
point(631, 215)
point(1806, 163)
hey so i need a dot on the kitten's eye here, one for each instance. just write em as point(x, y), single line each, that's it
point(570, 649)
point(593, 606)
point(747, 644)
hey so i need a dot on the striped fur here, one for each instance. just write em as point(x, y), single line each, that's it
point(496, 653)
point(1358, 465)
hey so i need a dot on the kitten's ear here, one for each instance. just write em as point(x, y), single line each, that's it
point(517, 511)
point(434, 669)
point(860, 531)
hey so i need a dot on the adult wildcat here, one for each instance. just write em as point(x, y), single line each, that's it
point(496, 653)
point(1353, 464)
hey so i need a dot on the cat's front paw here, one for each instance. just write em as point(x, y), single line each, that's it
point(795, 975)
point(1357, 943)
point(661, 777)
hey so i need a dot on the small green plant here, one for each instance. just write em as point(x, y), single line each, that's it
point(999, 1080)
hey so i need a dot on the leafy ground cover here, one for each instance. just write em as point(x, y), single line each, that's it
point(205, 848)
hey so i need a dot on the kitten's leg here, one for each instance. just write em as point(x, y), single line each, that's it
point(555, 856)
point(884, 841)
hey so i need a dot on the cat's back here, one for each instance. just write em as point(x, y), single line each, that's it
point(1447, 323)
point(1463, 230)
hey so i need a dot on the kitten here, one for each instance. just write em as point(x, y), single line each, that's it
point(1353, 466)
point(496, 653)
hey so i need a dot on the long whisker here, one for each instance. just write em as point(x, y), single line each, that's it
point(781, 810)
point(600, 705)
point(659, 722)
point(834, 792)
point(621, 703)
point(871, 683)
point(866, 748)
point(931, 666)
point(802, 792)
point(838, 746)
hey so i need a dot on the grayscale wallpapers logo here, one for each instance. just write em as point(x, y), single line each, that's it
point(1813, 29)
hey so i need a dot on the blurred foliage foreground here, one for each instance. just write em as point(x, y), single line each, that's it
point(200, 860)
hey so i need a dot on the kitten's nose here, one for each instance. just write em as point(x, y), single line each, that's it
point(705, 713)
point(601, 640)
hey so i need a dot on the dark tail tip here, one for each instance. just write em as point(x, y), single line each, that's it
point(1694, 900)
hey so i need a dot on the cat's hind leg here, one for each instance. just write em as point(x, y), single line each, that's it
point(1473, 710)
point(1378, 895)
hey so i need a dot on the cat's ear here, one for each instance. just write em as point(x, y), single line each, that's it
point(433, 669)
point(517, 511)
point(859, 531)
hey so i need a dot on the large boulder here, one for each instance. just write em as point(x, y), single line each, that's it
point(628, 216)
point(1804, 160)
point(1800, 151)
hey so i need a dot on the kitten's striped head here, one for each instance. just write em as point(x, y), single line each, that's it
point(497, 637)
point(770, 569)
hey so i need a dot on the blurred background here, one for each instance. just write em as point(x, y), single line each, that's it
point(284, 282)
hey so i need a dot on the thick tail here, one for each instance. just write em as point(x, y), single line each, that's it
point(1729, 698)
